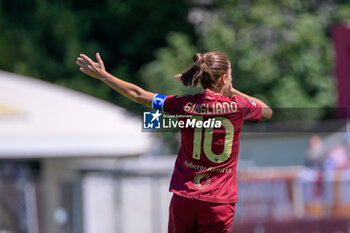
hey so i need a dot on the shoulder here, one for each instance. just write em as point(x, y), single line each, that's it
point(175, 103)
point(242, 101)
point(182, 97)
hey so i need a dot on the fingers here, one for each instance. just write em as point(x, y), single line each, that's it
point(84, 64)
point(98, 57)
point(89, 67)
point(83, 70)
point(86, 59)
point(81, 63)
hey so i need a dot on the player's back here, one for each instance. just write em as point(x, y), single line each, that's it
point(206, 165)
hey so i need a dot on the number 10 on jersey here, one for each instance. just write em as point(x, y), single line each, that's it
point(208, 141)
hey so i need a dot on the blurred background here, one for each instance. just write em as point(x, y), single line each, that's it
point(75, 160)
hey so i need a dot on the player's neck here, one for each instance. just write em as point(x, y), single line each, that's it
point(214, 91)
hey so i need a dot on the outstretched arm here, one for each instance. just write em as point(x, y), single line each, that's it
point(129, 90)
point(266, 113)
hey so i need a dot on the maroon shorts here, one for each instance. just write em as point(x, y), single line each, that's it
point(193, 216)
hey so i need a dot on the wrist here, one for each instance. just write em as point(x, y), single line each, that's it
point(103, 75)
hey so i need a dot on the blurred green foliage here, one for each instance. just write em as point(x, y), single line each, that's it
point(280, 51)
point(42, 38)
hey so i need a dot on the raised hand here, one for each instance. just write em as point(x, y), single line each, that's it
point(91, 68)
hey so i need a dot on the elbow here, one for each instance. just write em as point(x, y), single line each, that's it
point(135, 95)
point(266, 113)
point(139, 98)
point(136, 98)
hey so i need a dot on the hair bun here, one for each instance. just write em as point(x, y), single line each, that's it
point(197, 57)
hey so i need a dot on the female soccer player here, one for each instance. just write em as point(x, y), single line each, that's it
point(204, 181)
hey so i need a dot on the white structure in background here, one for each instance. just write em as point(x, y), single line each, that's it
point(40, 119)
point(63, 129)
point(137, 194)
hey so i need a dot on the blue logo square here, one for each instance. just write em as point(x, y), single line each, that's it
point(151, 120)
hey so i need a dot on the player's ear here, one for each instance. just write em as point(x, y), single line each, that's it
point(223, 79)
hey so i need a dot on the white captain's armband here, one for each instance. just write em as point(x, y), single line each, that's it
point(158, 102)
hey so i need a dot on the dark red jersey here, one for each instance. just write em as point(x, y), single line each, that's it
point(206, 164)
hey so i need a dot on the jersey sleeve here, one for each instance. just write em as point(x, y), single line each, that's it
point(250, 110)
point(171, 104)
point(174, 104)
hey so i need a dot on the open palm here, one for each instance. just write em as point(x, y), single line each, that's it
point(89, 67)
